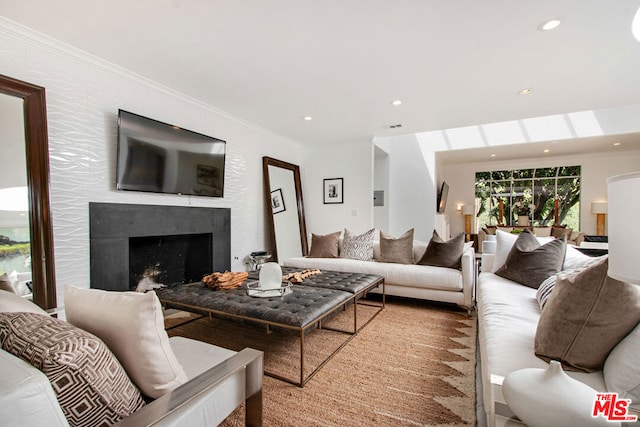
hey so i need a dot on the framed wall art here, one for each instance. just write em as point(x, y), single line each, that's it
point(333, 191)
point(277, 201)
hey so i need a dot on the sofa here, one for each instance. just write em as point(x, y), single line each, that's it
point(508, 316)
point(78, 381)
point(450, 285)
point(574, 237)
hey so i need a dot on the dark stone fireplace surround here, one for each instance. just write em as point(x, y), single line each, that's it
point(113, 224)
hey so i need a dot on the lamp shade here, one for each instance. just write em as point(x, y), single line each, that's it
point(624, 234)
point(468, 210)
point(598, 207)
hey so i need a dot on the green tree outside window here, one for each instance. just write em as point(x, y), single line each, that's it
point(502, 196)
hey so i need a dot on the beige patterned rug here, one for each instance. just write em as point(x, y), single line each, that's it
point(413, 365)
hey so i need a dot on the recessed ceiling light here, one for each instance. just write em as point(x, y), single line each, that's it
point(308, 118)
point(396, 102)
point(549, 24)
point(546, 150)
point(493, 155)
point(526, 91)
point(616, 143)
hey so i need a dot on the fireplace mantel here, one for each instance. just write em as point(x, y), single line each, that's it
point(112, 224)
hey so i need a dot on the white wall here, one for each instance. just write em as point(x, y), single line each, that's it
point(83, 96)
point(352, 162)
point(381, 183)
point(595, 171)
point(412, 186)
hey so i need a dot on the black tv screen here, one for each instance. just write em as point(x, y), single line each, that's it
point(160, 158)
point(442, 197)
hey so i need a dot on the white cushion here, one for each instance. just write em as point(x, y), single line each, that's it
point(198, 356)
point(504, 243)
point(508, 315)
point(622, 370)
point(131, 324)
point(13, 303)
point(574, 259)
point(26, 396)
point(213, 406)
point(407, 275)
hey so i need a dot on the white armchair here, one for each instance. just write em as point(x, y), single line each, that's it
point(218, 381)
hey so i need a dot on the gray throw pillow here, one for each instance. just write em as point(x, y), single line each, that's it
point(358, 246)
point(398, 250)
point(529, 263)
point(443, 254)
point(324, 246)
point(586, 316)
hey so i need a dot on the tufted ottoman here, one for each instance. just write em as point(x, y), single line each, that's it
point(306, 307)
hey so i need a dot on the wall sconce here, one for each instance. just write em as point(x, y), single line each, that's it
point(468, 211)
point(599, 209)
point(459, 208)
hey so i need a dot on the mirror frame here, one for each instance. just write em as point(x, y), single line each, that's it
point(37, 152)
point(269, 161)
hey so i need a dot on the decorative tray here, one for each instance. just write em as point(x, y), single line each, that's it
point(253, 290)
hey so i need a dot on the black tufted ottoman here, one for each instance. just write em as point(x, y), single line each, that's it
point(306, 307)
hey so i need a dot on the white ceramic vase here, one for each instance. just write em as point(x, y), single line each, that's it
point(270, 276)
point(549, 397)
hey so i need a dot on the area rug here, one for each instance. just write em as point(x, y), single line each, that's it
point(414, 364)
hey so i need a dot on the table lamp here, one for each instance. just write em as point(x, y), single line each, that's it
point(468, 211)
point(624, 234)
point(599, 209)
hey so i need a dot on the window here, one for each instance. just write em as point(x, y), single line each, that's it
point(539, 196)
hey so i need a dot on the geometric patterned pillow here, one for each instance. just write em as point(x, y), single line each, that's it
point(358, 246)
point(91, 386)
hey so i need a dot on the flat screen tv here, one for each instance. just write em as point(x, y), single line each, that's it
point(157, 157)
point(442, 197)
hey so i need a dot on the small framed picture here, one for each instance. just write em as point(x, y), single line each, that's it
point(277, 201)
point(333, 191)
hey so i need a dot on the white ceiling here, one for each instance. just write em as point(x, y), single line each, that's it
point(536, 150)
point(452, 63)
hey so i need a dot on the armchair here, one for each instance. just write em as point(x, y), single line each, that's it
point(217, 382)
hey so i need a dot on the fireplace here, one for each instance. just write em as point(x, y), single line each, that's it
point(169, 260)
point(170, 245)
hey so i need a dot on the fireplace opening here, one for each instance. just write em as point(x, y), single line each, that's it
point(168, 260)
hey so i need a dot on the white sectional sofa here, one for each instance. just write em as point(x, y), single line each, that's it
point(508, 315)
point(407, 280)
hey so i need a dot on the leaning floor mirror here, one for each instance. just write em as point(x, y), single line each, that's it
point(284, 209)
point(26, 229)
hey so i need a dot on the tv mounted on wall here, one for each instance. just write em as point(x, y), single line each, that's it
point(157, 157)
point(442, 197)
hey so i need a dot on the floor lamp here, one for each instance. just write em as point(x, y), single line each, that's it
point(599, 209)
point(624, 251)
